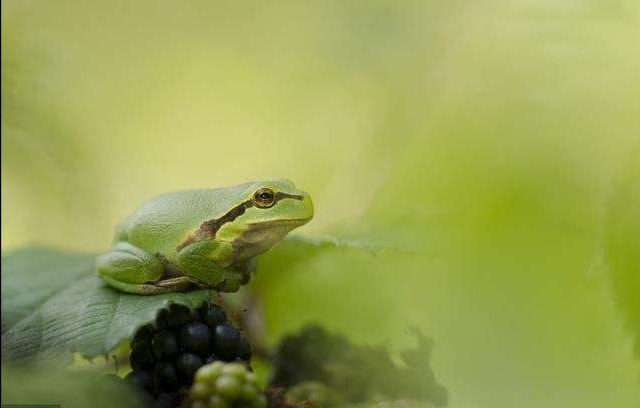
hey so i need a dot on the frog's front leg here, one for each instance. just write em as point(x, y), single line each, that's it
point(203, 261)
point(133, 270)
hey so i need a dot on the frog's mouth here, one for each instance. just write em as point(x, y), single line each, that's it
point(260, 237)
point(278, 228)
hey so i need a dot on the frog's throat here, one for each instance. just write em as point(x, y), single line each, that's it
point(208, 229)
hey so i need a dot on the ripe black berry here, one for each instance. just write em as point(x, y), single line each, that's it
point(165, 376)
point(162, 319)
point(212, 357)
point(164, 345)
point(195, 337)
point(215, 315)
point(227, 340)
point(143, 333)
point(186, 365)
point(141, 379)
point(165, 400)
point(178, 315)
point(141, 356)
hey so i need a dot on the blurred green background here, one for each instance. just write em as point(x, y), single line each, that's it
point(493, 146)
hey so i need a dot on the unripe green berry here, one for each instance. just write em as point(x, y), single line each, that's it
point(248, 392)
point(200, 390)
point(231, 385)
point(228, 387)
point(217, 401)
point(209, 372)
point(251, 378)
point(234, 370)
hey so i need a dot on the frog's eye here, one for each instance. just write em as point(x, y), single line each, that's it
point(264, 198)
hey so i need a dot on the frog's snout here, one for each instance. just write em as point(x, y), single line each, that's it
point(307, 203)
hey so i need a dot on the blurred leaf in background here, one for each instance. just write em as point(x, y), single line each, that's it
point(622, 246)
point(483, 144)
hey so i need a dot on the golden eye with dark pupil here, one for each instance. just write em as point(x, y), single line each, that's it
point(264, 198)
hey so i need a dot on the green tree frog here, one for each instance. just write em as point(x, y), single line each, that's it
point(202, 238)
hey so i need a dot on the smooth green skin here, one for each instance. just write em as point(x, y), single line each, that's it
point(147, 257)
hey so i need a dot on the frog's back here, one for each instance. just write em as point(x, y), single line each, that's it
point(162, 223)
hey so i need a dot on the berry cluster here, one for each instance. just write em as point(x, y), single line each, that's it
point(307, 355)
point(220, 385)
point(166, 354)
point(355, 373)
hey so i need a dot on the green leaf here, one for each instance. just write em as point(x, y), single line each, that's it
point(53, 303)
point(33, 275)
point(45, 383)
point(362, 242)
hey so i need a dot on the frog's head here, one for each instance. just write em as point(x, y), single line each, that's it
point(266, 212)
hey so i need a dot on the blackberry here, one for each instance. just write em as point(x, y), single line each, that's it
point(164, 345)
point(179, 315)
point(215, 315)
point(166, 354)
point(187, 364)
point(165, 376)
point(166, 400)
point(227, 341)
point(141, 379)
point(141, 356)
point(211, 359)
point(355, 373)
point(145, 332)
point(226, 385)
point(195, 337)
point(162, 319)
point(307, 355)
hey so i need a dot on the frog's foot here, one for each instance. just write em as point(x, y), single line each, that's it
point(179, 284)
point(233, 280)
point(126, 267)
